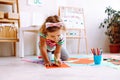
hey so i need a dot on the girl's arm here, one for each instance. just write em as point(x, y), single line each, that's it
point(43, 49)
point(58, 52)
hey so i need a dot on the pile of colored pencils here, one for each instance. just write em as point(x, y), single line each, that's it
point(97, 51)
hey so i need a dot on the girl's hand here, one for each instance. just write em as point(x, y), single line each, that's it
point(58, 62)
point(47, 64)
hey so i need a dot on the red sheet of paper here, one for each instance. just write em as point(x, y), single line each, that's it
point(72, 59)
point(83, 61)
point(62, 66)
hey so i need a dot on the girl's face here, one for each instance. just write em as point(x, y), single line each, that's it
point(54, 36)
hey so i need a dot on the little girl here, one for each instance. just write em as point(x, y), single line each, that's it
point(51, 41)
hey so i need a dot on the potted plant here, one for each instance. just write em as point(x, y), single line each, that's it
point(112, 25)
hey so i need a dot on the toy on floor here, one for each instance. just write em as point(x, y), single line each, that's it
point(114, 61)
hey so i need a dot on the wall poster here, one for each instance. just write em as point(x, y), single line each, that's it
point(72, 17)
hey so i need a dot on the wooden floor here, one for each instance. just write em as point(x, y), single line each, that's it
point(12, 68)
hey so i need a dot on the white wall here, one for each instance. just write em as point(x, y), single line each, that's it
point(34, 15)
point(94, 14)
point(29, 12)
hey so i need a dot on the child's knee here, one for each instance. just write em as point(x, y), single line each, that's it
point(65, 57)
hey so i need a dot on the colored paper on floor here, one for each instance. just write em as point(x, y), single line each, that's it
point(116, 62)
point(115, 59)
point(80, 60)
point(72, 59)
point(38, 61)
point(62, 66)
point(33, 60)
point(83, 61)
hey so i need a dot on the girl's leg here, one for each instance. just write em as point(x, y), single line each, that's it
point(50, 56)
point(64, 54)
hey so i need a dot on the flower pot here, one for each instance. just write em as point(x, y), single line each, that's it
point(114, 48)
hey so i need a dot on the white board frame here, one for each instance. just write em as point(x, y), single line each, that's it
point(72, 17)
